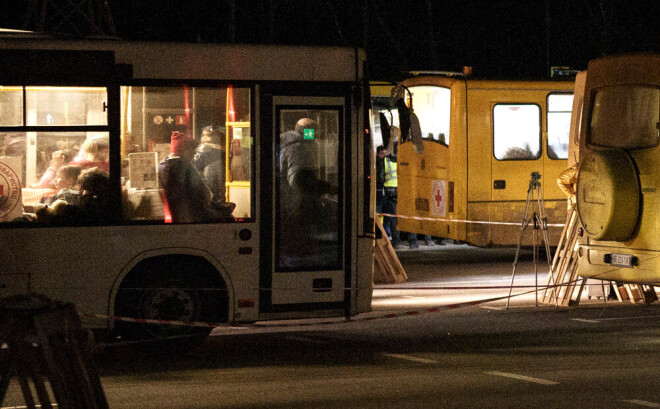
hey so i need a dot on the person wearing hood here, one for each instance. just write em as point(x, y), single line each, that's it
point(209, 160)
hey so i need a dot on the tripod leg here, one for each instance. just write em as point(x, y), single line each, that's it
point(523, 225)
point(544, 228)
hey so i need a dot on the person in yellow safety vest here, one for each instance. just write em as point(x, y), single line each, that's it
point(389, 205)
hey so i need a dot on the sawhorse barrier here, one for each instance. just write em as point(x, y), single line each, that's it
point(43, 341)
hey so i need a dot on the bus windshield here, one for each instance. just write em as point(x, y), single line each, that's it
point(625, 116)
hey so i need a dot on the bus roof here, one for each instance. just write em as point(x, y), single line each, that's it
point(200, 61)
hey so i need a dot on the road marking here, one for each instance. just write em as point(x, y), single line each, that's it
point(24, 407)
point(643, 403)
point(410, 358)
point(523, 378)
point(486, 307)
point(629, 318)
point(304, 339)
point(585, 320)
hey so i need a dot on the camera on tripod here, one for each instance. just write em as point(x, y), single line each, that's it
point(534, 181)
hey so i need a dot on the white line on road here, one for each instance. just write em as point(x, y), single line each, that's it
point(522, 377)
point(585, 320)
point(486, 307)
point(643, 403)
point(628, 318)
point(410, 358)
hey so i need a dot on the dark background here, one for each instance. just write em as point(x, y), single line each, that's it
point(498, 38)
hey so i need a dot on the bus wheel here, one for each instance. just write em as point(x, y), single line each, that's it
point(167, 292)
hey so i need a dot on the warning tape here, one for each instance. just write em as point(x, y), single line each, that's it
point(437, 219)
point(326, 322)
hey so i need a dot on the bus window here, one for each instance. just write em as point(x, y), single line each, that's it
point(308, 176)
point(33, 154)
point(11, 106)
point(516, 131)
point(625, 116)
point(432, 105)
point(559, 123)
point(165, 177)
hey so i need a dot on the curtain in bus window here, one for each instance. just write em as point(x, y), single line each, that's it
point(516, 131)
point(186, 153)
point(559, 123)
point(625, 116)
point(308, 222)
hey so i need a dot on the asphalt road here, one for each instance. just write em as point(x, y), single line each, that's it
point(595, 355)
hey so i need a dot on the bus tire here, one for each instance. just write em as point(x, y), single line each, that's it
point(171, 288)
point(608, 195)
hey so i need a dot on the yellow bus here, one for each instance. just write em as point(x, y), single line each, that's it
point(481, 139)
point(619, 170)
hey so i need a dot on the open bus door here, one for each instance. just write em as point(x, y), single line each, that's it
point(305, 265)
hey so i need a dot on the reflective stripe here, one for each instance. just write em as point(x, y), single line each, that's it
point(390, 173)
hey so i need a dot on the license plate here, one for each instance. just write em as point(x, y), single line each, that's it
point(622, 260)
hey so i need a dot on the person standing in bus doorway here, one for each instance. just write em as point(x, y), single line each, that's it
point(389, 206)
point(304, 215)
point(381, 153)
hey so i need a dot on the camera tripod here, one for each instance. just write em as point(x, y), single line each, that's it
point(539, 221)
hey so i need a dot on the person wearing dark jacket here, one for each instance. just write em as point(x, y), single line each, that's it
point(305, 216)
point(188, 198)
point(209, 160)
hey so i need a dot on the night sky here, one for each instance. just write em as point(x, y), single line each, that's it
point(498, 38)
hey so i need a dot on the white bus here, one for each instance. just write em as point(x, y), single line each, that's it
point(119, 248)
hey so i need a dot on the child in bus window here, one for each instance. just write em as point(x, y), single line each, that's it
point(58, 159)
point(65, 181)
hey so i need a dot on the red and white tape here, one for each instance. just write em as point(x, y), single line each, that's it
point(436, 219)
point(407, 313)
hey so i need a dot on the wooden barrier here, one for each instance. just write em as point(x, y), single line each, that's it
point(387, 267)
point(45, 341)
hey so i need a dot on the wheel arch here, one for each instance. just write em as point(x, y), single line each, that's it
point(213, 269)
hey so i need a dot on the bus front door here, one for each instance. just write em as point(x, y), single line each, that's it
point(307, 253)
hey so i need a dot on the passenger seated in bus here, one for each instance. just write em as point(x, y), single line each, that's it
point(66, 181)
point(187, 197)
point(94, 198)
point(210, 161)
point(94, 152)
point(58, 159)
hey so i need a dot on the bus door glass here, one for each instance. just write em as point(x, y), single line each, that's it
point(516, 149)
point(308, 246)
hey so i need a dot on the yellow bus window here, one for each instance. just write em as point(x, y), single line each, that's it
point(433, 108)
point(516, 131)
point(559, 123)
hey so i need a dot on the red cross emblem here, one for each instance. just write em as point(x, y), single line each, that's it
point(438, 198)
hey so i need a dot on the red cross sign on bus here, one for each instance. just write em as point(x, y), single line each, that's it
point(439, 198)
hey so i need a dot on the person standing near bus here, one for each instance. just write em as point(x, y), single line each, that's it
point(381, 152)
point(389, 206)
